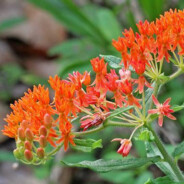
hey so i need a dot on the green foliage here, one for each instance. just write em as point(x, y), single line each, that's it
point(149, 5)
point(162, 180)
point(125, 177)
point(6, 156)
point(111, 165)
point(164, 166)
point(87, 145)
point(146, 135)
point(113, 61)
point(178, 150)
point(9, 23)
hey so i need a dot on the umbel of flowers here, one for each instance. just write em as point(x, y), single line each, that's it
point(36, 120)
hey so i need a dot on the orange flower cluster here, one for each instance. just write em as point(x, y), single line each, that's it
point(37, 121)
point(154, 39)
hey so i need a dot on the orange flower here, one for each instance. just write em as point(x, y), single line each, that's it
point(31, 108)
point(64, 96)
point(100, 68)
point(66, 135)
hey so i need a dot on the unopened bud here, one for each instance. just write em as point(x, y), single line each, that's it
point(24, 124)
point(48, 120)
point(17, 154)
point(40, 153)
point(43, 141)
point(28, 145)
point(29, 134)
point(28, 155)
point(43, 130)
point(21, 134)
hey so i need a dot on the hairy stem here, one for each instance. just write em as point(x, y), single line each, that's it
point(102, 126)
point(166, 156)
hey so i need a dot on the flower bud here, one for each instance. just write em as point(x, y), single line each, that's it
point(29, 135)
point(48, 120)
point(40, 153)
point(24, 124)
point(21, 134)
point(43, 141)
point(28, 145)
point(43, 130)
point(28, 155)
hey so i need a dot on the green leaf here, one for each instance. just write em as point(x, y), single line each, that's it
point(162, 180)
point(31, 79)
point(173, 61)
point(12, 73)
point(146, 135)
point(164, 166)
point(148, 5)
point(6, 156)
point(119, 111)
point(126, 177)
point(177, 107)
point(113, 61)
point(144, 177)
point(111, 165)
point(9, 23)
point(87, 145)
point(71, 17)
point(108, 24)
point(178, 150)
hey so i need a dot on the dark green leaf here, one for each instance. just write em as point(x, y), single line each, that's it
point(110, 165)
point(178, 150)
point(87, 145)
point(119, 111)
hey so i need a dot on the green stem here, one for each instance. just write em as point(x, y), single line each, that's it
point(102, 126)
point(55, 150)
point(166, 156)
point(174, 75)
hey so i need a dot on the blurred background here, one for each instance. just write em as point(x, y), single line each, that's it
point(39, 38)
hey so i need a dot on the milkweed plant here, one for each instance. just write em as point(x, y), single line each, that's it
point(133, 82)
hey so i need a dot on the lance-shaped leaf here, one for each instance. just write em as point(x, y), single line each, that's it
point(111, 165)
point(119, 111)
point(162, 180)
point(164, 166)
point(178, 150)
point(87, 145)
point(178, 107)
